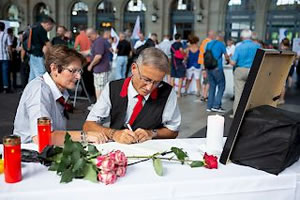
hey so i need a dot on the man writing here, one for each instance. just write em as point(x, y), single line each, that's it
point(143, 101)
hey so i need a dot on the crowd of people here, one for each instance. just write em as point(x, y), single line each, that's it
point(124, 75)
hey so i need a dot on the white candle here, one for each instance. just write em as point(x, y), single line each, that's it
point(214, 134)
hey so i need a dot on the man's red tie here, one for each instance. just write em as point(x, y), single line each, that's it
point(137, 109)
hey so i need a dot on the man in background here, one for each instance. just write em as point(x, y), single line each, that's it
point(216, 77)
point(39, 46)
point(83, 45)
point(242, 58)
point(5, 51)
point(123, 52)
point(60, 36)
point(99, 60)
point(140, 42)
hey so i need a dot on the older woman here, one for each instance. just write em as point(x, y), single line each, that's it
point(45, 96)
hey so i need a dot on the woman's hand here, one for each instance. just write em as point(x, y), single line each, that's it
point(96, 137)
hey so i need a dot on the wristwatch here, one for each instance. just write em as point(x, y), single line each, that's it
point(154, 133)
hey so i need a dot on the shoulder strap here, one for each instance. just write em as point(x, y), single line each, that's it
point(212, 45)
point(29, 39)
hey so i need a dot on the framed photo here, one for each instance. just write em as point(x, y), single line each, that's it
point(265, 81)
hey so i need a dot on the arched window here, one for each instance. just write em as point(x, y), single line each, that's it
point(40, 11)
point(240, 15)
point(79, 16)
point(133, 9)
point(283, 20)
point(105, 15)
point(13, 13)
point(182, 15)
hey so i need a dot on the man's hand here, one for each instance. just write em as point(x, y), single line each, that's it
point(143, 135)
point(125, 136)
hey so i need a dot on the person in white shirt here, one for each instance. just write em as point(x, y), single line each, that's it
point(46, 96)
point(165, 46)
point(230, 48)
point(5, 54)
point(159, 116)
point(140, 42)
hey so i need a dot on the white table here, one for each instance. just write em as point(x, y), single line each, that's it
point(179, 182)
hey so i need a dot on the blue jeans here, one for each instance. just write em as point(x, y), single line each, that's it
point(121, 67)
point(4, 68)
point(216, 78)
point(37, 67)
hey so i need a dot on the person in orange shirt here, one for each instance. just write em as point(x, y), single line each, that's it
point(83, 45)
point(205, 86)
point(211, 36)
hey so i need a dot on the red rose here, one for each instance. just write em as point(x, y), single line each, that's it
point(107, 177)
point(120, 171)
point(107, 165)
point(99, 160)
point(211, 161)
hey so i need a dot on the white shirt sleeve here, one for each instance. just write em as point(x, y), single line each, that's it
point(101, 109)
point(171, 117)
point(9, 41)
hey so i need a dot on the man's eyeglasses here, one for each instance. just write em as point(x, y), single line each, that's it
point(74, 71)
point(147, 81)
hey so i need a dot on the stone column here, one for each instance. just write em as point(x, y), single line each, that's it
point(261, 18)
point(119, 15)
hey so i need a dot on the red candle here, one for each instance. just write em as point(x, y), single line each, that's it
point(12, 159)
point(44, 132)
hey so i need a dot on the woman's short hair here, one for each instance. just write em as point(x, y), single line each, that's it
point(285, 42)
point(193, 39)
point(154, 57)
point(62, 56)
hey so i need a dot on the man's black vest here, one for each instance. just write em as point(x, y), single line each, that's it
point(150, 116)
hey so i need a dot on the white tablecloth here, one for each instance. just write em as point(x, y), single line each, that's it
point(229, 182)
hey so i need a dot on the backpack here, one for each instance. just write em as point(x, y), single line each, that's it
point(27, 39)
point(177, 53)
point(210, 62)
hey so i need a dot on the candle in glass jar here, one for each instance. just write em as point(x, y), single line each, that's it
point(12, 158)
point(44, 132)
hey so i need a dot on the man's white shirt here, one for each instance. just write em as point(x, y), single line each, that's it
point(171, 117)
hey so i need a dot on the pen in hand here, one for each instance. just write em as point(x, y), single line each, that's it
point(129, 127)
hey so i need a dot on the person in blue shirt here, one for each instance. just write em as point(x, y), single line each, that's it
point(242, 59)
point(216, 77)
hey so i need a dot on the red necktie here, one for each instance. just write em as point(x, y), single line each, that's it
point(137, 109)
point(67, 107)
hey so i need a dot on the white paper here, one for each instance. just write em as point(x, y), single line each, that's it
point(214, 134)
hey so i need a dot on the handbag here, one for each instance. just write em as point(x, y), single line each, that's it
point(269, 139)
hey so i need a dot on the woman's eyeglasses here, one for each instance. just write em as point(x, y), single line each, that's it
point(74, 71)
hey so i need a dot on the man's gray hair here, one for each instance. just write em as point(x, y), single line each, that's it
point(91, 31)
point(154, 57)
point(246, 34)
